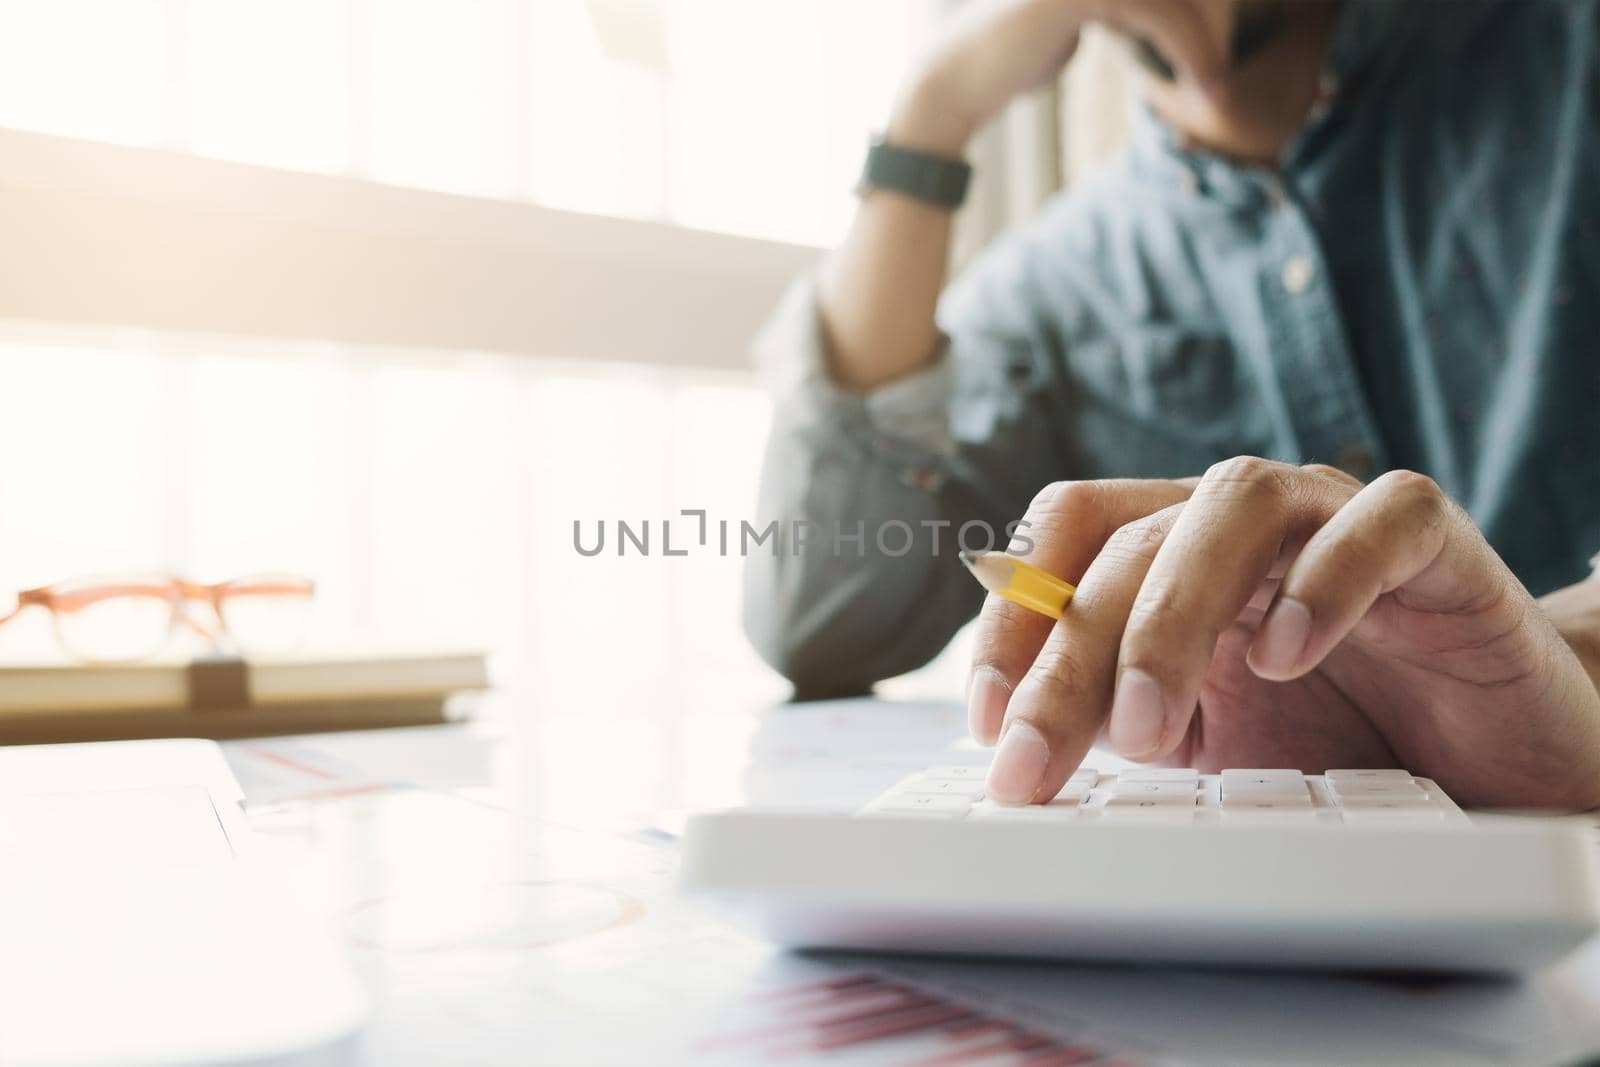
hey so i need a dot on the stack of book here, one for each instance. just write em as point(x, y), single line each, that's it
point(224, 698)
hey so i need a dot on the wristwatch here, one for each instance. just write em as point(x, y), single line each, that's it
point(936, 180)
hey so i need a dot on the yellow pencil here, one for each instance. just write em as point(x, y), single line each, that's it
point(1021, 583)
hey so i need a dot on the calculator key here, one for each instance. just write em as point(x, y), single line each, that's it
point(1252, 792)
point(1159, 774)
point(1386, 801)
point(898, 802)
point(1136, 809)
point(1122, 788)
point(1381, 787)
point(956, 774)
point(1143, 801)
point(942, 787)
point(1263, 779)
point(1268, 804)
point(1256, 784)
point(1087, 777)
point(1377, 774)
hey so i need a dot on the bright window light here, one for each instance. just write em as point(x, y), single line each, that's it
point(444, 94)
point(85, 68)
point(597, 107)
point(269, 82)
point(747, 117)
point(772, 106)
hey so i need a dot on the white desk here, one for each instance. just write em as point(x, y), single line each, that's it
point(510, 906)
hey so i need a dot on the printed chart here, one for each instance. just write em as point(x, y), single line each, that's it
point(867, 1017)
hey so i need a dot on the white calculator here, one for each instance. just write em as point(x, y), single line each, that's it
point(1348, 869)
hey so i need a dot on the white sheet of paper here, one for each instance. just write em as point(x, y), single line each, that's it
point(164, 826)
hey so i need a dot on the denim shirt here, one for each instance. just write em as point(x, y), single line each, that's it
point(1416, 286)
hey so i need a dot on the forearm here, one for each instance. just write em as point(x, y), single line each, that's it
point(1575, 611)
point(879, 292)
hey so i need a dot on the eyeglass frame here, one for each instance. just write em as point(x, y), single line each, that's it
point(175, 590)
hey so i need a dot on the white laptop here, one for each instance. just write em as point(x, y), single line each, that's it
point(136, 928)
point(1352, 868)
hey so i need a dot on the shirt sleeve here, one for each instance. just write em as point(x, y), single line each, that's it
point(874, 494)
point(791, 356)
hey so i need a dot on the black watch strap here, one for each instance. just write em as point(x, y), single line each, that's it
point(934, 179)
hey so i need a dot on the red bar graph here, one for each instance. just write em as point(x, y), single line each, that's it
point(906, 1026)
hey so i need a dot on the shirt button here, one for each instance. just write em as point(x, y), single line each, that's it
point(1327, 92)
point(1298, 273)
point(1355, 460)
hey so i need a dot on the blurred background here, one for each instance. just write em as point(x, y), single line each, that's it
point(390, 292)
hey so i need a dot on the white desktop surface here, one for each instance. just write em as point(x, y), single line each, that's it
point(510, 903)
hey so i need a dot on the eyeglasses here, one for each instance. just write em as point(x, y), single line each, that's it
point(126, 618)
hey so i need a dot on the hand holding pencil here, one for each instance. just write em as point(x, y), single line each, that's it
point(1268, 615)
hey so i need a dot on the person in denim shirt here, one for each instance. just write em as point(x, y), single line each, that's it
point(1333, 324)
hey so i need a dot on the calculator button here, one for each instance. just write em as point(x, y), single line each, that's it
point(926, 804)
point(1087, 777)
point(1285, 781)
point(1159, 774)
point(1147, 809)
point(956, 774)
point(1122, 788)
point(1381, 774)
point(1259, 797)
point(1380, 807)
point(1381, 787)
point(1267, 805)
point(1256, 785)
point(1137, 802)
point(942, 787)
point(1386, 801)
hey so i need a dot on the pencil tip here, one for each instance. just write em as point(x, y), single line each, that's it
point(970, 558)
